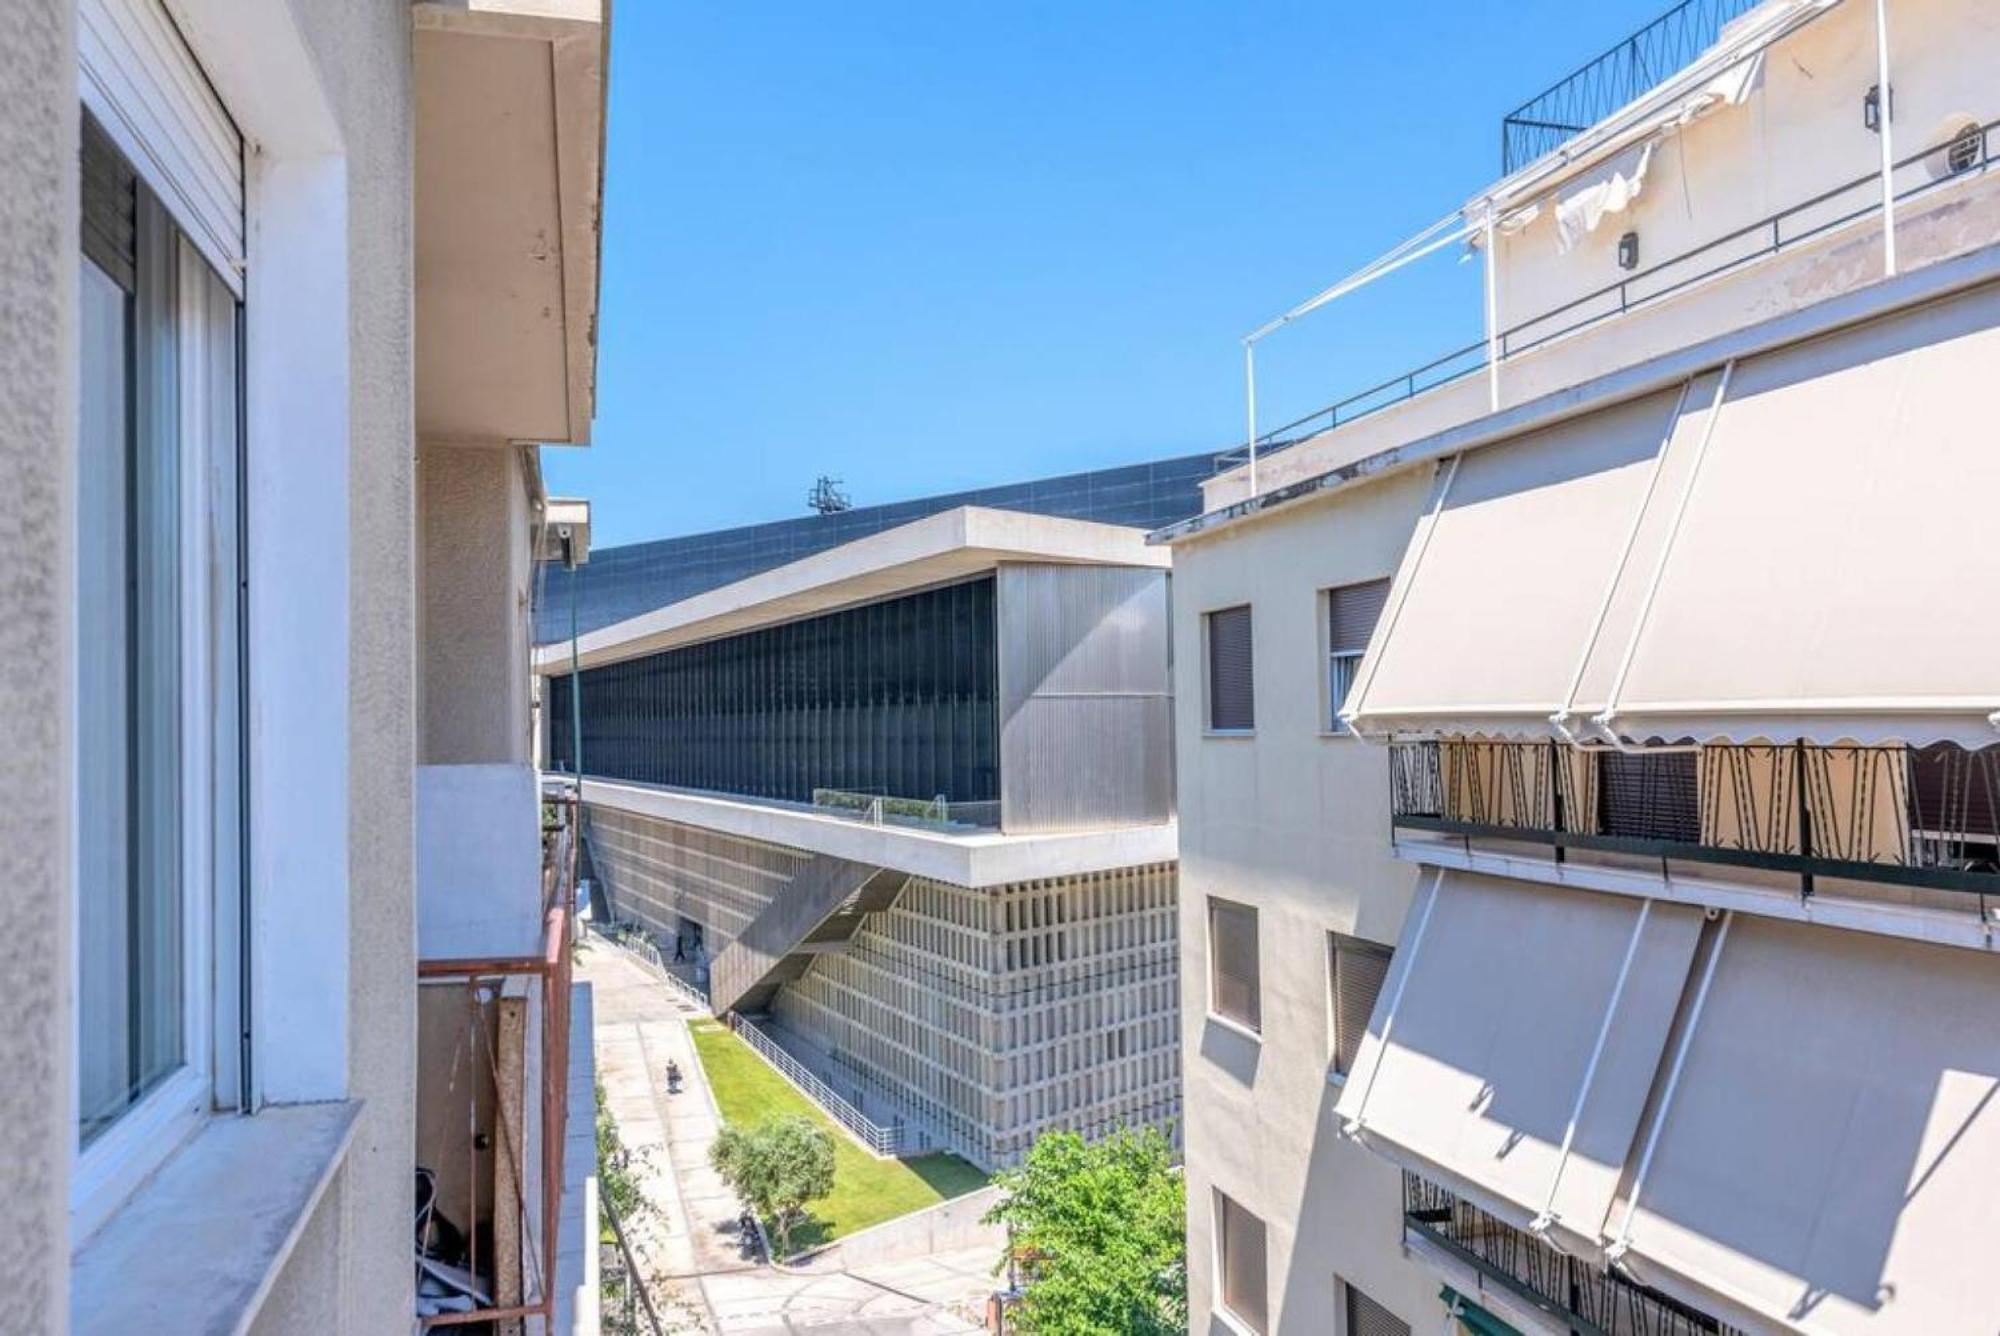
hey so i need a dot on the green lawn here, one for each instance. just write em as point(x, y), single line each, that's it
point(866, 1191)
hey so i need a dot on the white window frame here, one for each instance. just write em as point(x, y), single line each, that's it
point(1331, 659)
point(124, 1155)
point(1215, 1014)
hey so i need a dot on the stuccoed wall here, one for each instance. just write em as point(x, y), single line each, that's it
point(38, 243)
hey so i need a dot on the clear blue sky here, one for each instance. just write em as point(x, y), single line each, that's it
point(937, 244)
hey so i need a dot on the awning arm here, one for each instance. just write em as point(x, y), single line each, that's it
point(1623, 1243)
point(1606, 721)
point(1388, 629)
point(1541, 1223)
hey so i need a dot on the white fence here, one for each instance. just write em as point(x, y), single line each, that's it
point(633, 939)
point(882, 1140)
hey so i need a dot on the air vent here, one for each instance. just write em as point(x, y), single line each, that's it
point(1966, 150)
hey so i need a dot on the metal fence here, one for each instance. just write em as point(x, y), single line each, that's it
point(1589, 1300)
point(1807, 220)
point(635, 940)
point(1621, 75)
point(1925, 817)
point(622, 1297)
point(883, 1140)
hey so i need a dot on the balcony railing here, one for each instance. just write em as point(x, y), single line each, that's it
point(1926, 817)
point(1589, 1300)
point(1971, 155)
point(1621, 75)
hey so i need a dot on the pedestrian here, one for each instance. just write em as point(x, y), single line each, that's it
point(673, 1077)
point(680, 948)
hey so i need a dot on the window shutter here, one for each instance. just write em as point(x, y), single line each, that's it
point(152, 100)
point(1245, 1275)
point(110, 206)
point(1351, 614)
point(1649, 797)
point(1365, 1317)
point(1359, 968)
point(1231, 696)
point(1232, 952)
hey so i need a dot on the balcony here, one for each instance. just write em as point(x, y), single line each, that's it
point(1588, 1300)
point(496, 1088)
point(1922, 818)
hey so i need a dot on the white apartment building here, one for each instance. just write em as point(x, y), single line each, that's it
point(1589, 765)
point(294, 293)
point(903, 810)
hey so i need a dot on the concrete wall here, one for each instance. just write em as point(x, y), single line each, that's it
point(362, 53)
point(38, 224)
point(473, 545)
point(1293, 821)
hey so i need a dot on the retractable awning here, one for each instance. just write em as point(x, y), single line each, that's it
point(1513, 1044)
point(1828, 1144)
point(1503, 578)
point(1789, 548)
point(1823, 568)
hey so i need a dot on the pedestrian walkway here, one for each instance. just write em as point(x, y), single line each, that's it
point(687, 1245)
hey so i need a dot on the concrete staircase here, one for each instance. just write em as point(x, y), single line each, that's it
point(818, 911)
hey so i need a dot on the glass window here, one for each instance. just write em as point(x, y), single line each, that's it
point(1232, 704)
point(1239, 1247)
point(1351, 614)
point(1234, 990)
point(1355, 971)
point(156, 639)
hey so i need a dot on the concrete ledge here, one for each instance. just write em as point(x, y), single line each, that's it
point(946, 1227)
point(200, 1245)
point(974, 860)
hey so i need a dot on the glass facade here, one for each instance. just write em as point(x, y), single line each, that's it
point(621, 582)
point(898, 698)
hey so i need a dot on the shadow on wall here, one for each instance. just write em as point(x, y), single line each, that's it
point(1232, 1051)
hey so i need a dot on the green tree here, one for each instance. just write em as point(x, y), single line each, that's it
point(1099, 1235)
point(776, 1167)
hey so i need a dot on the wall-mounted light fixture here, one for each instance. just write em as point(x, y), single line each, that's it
point(1871, 108)
point(1628, 251)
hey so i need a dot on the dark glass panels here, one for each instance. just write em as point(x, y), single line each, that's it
point(897, 698)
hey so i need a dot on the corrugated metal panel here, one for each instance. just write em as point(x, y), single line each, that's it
point(1232, 697)
point(1086, 707)
point(142, 83)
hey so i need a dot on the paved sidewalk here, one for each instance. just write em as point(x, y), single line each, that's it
point(688, 1245)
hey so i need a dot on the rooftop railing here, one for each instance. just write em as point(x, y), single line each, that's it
point(1969, 154)
point(1619, 76)
point(1926, 818)
point(1590, 1300)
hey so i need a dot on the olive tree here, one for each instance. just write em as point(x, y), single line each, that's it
point(776, 1167)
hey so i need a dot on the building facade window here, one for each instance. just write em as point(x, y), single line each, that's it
point(1241, 1267)
point(1232, 701)
point(1355, 968)
point(158, 670)
point(1351, 614)
point(1235, 991)
point(1365, 1317)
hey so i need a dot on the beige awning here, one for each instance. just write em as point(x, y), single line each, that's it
point(1511, 1050)
point(1828, 1153)
point(1504, 577)
point(1819, 566)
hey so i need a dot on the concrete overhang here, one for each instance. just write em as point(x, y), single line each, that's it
point(565, 531)
point(509, 192)
point(974, 860)
point(938, 549)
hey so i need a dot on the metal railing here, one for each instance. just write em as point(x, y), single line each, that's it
point(1617, 77)
point(1924, 817)
point(636, 941)
point(1590, 1300)
point(880, 808)
point(1773, 234)
point(621, 1286)
point(889, 1140)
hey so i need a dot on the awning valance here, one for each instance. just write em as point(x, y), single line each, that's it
point(1514, 1042)
point(1505, 573)
point(1828, 1148)
point(1787, 548)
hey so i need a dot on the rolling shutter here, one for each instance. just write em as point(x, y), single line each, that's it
point(1233, 969)
point(1359, 968)
point(1365, 1317)
point(139, 79)
point(1351, 614)
point(1232, 702)
point(1648, 796)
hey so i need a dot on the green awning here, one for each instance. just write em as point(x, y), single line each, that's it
point(1474, 1318)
